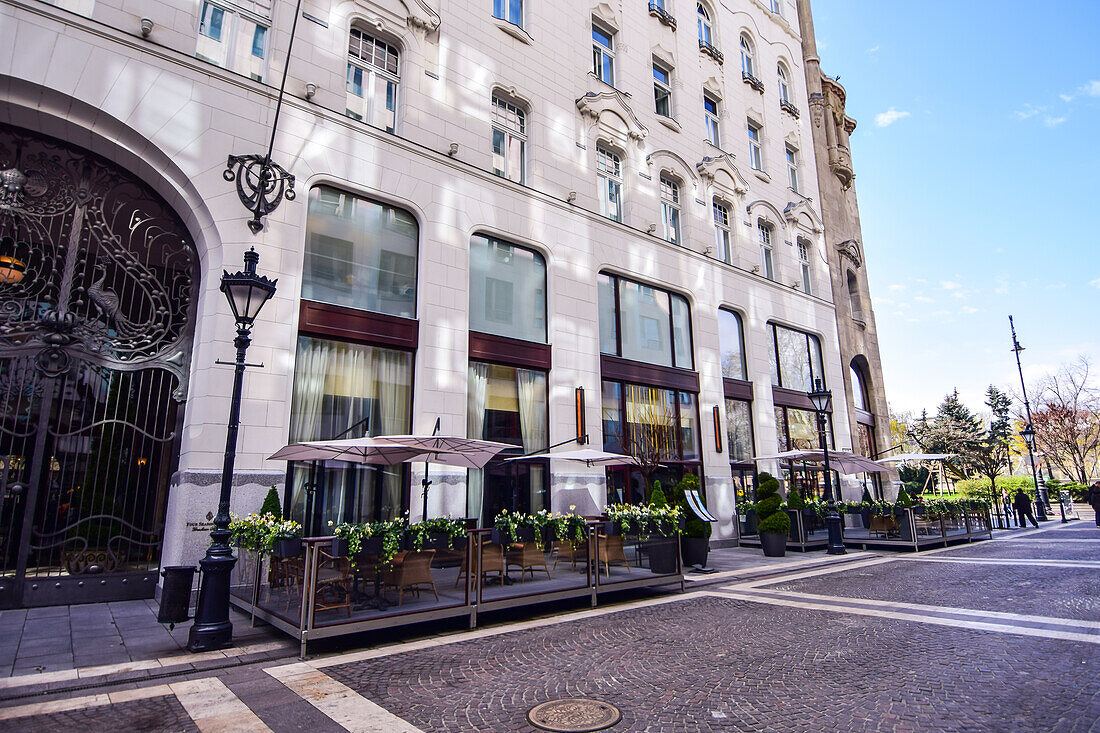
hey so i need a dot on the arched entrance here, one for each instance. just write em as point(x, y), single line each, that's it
point(98, 281)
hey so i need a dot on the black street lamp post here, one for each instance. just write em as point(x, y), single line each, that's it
point(821, 399)
point(1028, 434)
point(247, 292)
point(1040, 493)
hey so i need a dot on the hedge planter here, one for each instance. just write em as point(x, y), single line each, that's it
point(774, 544)
point(750, 523)
point(694, 550)
point(797, 528)
point(286, 548)
point(436, 541)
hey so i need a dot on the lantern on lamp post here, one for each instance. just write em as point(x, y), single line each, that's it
point(821, 399)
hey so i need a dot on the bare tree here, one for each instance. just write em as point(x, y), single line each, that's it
point(1066, 419)
point(650, 434)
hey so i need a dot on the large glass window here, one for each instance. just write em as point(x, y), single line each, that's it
point(656, 425)
point(859, 391)
point(349, 390)
point(508, 405)
point(507, 290)
point(731, 339)
point(796, 360)
point(610, 173)
point(706, 28)
point(643, 323)
point(372, 80)
point(739, 430)
point(509, 139)
point(359, 253)
point(603, 55)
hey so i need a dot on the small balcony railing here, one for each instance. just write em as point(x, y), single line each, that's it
point(662, 15)
point(711, 51)
point(752, 81)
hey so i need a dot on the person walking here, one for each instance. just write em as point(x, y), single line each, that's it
point(1006, 504)
point(1022, 504)
point(1093, 499)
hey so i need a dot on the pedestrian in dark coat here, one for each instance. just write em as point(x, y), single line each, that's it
point(1022, 505)
point(1093, 498)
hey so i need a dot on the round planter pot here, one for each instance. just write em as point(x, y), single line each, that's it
point(285, 548)
point(694, 550)
point(774, 544)
point(662, 556)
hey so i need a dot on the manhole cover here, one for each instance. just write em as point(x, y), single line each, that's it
point(573, 715)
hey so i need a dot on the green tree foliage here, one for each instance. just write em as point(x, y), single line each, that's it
point(657, 495)
point(769, 506)
point(271, 504)
point(980, 487)
point(795, 500)
point(955, 430)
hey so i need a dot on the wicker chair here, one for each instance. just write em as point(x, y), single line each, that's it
point(410, 571)
point(883, 526)
point(571, 551)
point(332, 588)
point(492, 561)
point(527, 556)
point(611, 550)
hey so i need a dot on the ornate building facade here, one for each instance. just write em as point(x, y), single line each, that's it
point(526, 229)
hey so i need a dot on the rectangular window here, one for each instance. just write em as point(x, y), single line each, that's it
point(509, 10)
point(662, 90)
point(670, 210)
point(642, 323)
point(603, 55)
point(723, 238)
point(804, 263)
point(211, 23)
point(792, 167)
point(764, 232)
point(509, 140)
point(710, 112)
point(372, 81)
point(756, 156)
point(739, 430)
point(232, 40)
point(360, 254)
point(507, 290)
point(609, 172)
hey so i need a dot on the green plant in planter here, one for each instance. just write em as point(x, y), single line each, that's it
point(259, 532)
point(795, 500)
point(271, 504)
point(390, 532)
point(657, 495)
point(903, 500)
point(693, 526)
point(450, 528)
point(568, 527)
point(768, 506)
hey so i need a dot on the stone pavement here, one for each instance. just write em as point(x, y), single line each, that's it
point(998, 635)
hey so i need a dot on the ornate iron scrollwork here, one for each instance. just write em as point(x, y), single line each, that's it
point(261, 185)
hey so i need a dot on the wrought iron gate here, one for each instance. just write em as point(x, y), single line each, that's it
point(97, 292)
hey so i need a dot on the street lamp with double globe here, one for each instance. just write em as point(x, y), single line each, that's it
point(247, 292)
point(821, 399)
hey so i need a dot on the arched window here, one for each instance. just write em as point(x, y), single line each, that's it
point(859, 389)
point(748, 64)
point(731, 340)
point(767, 258)
point(854, 301)
point(706, 28)
point(507, 290)
point(670, 209)
point(723, 236)
point(372, 80)
point(784, 83)
point(509, 139)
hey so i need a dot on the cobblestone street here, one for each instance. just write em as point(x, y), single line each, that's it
point(998, 635)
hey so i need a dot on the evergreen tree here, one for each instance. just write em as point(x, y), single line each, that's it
point(992, 457)
point(955, 430)
point(271, 504)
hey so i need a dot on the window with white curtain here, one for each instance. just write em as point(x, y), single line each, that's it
point(509, 139)
point(372, 80)
point(349, 390)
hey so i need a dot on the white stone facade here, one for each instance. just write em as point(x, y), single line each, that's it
point(150, 105)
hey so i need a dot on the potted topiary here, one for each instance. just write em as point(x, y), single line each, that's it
point(865, 508)
point(774, 524)
point(271, 504)
point(903, 503)
point(661, 548)
point(695, 542)
point(796, 509)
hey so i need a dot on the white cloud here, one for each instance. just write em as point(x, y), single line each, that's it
point(949, 285)
point(889, 117)
point(1095, 283)
point(1066, 97)
point(1056, 286)
point(897, 288)
point(873, 49)
point(923, 299)
point(969, 310)
point(1029, 111)
point(1092, 88)
point(1053, 121)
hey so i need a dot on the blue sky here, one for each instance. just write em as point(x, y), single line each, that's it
point(976, 162)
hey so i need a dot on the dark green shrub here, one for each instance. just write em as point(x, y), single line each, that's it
point(795, 500)
point(657, 495)
point(767, 506)
point(271, 504)
point(903, 498)
point(693, 526)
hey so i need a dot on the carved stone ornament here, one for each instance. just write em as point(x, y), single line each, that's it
point(720, 170)
point(795, 210)
point(595, 104)
point(850, 248)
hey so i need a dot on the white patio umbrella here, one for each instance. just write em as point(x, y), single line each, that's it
point(840, 461)
point(355, 450)
point(588, 456)
point(905, 457)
